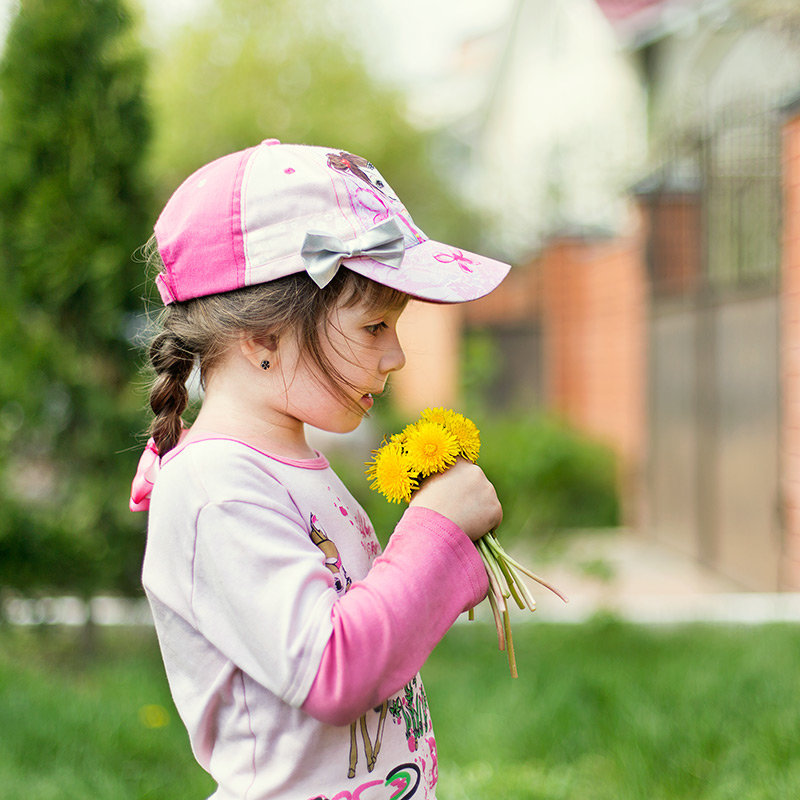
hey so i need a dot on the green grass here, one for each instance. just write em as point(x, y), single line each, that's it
point(74, 727)
point(602, 710)
point(608, 710)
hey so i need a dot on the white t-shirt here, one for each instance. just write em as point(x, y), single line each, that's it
point(242, 597)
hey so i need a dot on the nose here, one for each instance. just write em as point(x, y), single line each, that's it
point(393, 358)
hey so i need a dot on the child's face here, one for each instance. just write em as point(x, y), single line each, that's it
point(363, 347)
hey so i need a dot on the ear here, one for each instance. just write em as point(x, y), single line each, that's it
point(255, 350)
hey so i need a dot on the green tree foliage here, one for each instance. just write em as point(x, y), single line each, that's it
point(248, 70)
point(73, 209)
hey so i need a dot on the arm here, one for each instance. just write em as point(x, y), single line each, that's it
point(385, 627)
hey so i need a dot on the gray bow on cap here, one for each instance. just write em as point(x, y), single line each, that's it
point(323, 252)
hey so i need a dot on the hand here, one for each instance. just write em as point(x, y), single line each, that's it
point(464, 495)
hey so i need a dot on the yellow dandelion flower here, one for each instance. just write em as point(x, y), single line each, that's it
point(438, 415)
point(430, 447)
point(391, 473)
point(467, 435)
point(409, 429)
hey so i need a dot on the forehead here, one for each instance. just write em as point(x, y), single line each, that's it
point(359, 307)
point(372, 297)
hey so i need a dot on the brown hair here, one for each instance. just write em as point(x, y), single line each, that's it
point(199, 332)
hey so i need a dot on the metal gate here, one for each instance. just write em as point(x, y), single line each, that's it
point(714, 257)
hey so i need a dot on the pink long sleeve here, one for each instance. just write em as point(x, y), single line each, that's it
point(386, 625)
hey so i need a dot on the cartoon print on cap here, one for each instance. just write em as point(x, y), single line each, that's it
point(371, 198)
point(355, 165)
point(456, 257)
point(371, 202)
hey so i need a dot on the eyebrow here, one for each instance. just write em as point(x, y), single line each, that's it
point(382, 311)
point(376, 297)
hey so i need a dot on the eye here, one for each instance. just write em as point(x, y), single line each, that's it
point(374, 330)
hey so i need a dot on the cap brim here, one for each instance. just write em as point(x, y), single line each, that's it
point(436, 272)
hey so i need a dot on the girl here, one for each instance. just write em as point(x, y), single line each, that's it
point(291, 646)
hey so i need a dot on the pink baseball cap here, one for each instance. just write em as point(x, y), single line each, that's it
point(276, 209)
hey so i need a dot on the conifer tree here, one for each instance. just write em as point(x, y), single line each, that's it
point(73, 209)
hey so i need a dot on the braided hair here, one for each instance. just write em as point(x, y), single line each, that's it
point(196, 334)
point(172, 362)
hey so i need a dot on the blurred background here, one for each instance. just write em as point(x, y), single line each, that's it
point(634, 160)
point(637, 161)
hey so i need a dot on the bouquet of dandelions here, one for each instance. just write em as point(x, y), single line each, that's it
point(432, 445)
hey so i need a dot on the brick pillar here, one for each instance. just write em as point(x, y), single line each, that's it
point(790, 353)
point(594, 308)
point(595, 319)
point(564, 320)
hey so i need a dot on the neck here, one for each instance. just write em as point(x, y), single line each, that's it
point(272, 434)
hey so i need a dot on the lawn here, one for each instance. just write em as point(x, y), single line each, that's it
point(600, 710)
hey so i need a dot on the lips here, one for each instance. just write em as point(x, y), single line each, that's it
point(368, 398)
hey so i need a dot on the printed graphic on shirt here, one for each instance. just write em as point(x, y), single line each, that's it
point(430, 768)
point(333, 561)
point(358, 729)
point(368, 539)
point(359, 521)
point(401, 783)
point(416, 778)
point(409, 708)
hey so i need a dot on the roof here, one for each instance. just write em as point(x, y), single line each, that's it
point(618, 10)
point(637, 22)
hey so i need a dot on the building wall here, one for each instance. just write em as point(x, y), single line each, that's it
point(585, 304)
point(599, 354)
point(631, 368)
point(790, 353)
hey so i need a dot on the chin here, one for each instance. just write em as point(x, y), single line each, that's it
point(337, 426)
point(347, 427)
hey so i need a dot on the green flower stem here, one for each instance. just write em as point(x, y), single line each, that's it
point(501, 584)
point(501, 554)
point(501, 639)
point(522, 589)
point(496, 576)
point(512, 661)
point(511, 581)
point(504, 582)
point(497, 590)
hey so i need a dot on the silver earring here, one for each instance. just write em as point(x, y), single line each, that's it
point(265, 364)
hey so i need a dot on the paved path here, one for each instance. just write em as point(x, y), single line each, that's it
point(642, 581)
point(600, 572)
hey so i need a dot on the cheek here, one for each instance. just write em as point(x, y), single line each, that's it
point(351, 360)
point(316, 392)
